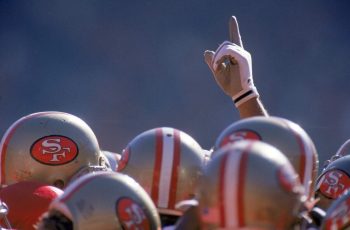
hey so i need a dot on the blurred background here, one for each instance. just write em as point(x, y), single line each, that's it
point(128, 66)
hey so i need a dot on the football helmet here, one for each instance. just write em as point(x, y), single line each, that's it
point(338, 214)
point(283, 134)
point(333, 181)
point(27, 201)
point(342, 151)
point(105, 200)
point(48, 147)
point(112, 158)
point(167, 163)
point(250, 185)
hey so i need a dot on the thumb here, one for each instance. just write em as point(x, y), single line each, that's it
point(208, 58)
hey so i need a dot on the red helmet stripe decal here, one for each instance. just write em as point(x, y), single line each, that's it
point(157, 165)
point(7, 137)
point(231, 188)
point(222, 189)
point(175, 171)
point(302, 161)
point(241, 185)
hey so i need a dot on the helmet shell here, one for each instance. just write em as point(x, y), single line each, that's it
point(47, 147)
point(107, 200)
point(283, 134)
point(338, 214)
point(249, 184)
point(167, 163)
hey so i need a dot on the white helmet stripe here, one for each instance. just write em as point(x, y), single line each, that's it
point(166, 168)
point(230, 192)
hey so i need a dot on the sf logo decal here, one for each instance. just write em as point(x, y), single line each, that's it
point(131, 215)
point(240, 135)
point(54, 150)
point(333, 183)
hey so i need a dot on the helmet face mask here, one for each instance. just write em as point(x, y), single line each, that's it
point(283, 134)
point(48, 147)
point(241, 184)
point(167, 163)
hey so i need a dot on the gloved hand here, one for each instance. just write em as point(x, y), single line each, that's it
point(232, 67)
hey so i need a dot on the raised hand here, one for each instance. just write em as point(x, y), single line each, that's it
point(232, 67)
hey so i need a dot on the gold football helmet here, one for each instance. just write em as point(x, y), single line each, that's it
point(283, 134)
point(250, 185)
point(48, 147)
point(104, 200)
point(167, 163)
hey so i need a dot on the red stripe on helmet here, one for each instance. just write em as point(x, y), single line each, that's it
point(302, 161)
point(222, 190)
point(241, 184)
point(175, 169)
point(302, 167)
point(157, 165)
point(8, 136)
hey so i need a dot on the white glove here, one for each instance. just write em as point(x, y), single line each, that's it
point(231, 65)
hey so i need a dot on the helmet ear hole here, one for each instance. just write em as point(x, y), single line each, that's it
point(59, 184)
point(101, 161)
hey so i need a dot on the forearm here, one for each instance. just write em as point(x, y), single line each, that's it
point(252, 107)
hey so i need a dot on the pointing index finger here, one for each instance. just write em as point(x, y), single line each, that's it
point(235, 36)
